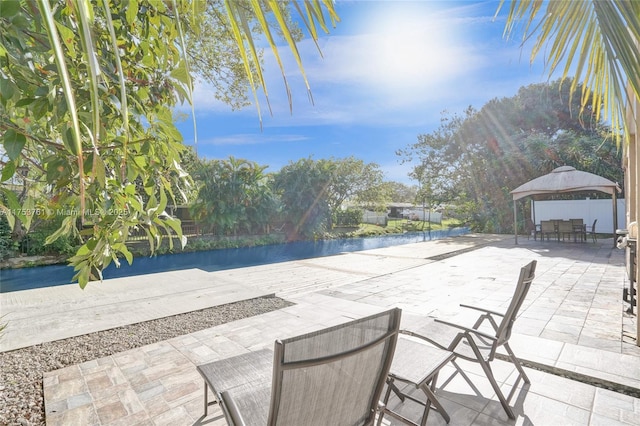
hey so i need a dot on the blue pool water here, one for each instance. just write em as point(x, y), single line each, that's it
point(215, 260)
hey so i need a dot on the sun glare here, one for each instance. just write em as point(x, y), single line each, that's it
point(410, 50)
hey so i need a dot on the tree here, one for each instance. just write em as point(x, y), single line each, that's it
point(353, 180)
point(234, 196)
point(475, 160)
point(87, 91)
point(216, 59)
point(598, 39)
point(302, 187)
point(398, 192)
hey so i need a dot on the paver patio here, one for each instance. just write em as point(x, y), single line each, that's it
point(574, 320)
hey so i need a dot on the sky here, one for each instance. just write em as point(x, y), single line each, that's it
point(388, 71)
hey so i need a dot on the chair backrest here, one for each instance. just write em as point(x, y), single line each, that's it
point(547, 226)
point(576, 222)
point(593, 227)
point(527, 273)
point(333, 376)
point(565, 226)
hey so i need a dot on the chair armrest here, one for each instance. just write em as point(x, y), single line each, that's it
point(467, 329)
point(232, 409)
point(421, 337)
point(482, 310)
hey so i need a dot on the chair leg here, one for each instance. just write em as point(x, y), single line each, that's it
point(489, 373)
point(385, 400)
point(516, 362)
point(206, 400)
point(496, 388)
point(433, 400)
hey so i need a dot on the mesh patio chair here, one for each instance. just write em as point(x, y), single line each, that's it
point(473, 344)
point(579, 229)
point(329, 377)
point(592, 232)
point(547, 228)
point(565, 228)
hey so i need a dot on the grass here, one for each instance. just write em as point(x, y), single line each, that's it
point(398, 226)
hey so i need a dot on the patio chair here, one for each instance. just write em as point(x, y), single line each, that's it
point(592, 232)
point(565, 228)
point(578, 229)
point(474, 344)
point(329, 377)
point(547, 228)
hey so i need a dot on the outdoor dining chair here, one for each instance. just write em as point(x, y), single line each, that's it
point(547, 228)
point(334, 376)
point(478, 345)
point(579, 230)
point(592, 232)
point(565, 228)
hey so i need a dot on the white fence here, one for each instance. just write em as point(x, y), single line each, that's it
point(413, 214)
point(424, 215)
point(374, 218)
point(588, 210)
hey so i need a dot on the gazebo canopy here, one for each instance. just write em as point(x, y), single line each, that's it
point(565, 179)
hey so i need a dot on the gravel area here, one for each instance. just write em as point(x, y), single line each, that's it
point(21, 393)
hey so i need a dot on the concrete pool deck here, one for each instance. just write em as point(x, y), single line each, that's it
point(573, 321)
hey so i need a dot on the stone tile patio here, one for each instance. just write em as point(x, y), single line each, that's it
point(573, 320)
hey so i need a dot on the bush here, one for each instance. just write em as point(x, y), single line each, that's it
point(348, 217)
point(8, 247)
point(33, 243)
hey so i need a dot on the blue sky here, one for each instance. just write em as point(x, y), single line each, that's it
point(388, 71)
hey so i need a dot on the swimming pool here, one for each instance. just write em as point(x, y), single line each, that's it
point(216, 260)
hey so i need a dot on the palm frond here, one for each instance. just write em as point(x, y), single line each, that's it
point(311, 14)
point(597, 39)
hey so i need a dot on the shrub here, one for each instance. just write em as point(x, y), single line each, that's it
point(8, 247)
point(348, 217)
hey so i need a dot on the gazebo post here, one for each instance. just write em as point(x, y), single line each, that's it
point(533, 211)
point(515, 219)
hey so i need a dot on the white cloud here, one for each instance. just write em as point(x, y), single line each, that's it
point(251, 139)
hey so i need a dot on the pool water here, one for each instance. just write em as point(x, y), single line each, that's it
point(215, 260)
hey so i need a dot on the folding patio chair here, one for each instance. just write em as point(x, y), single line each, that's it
point(329, 377)
point(473, 344)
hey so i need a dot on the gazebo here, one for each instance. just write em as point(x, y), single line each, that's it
point(562, 180)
